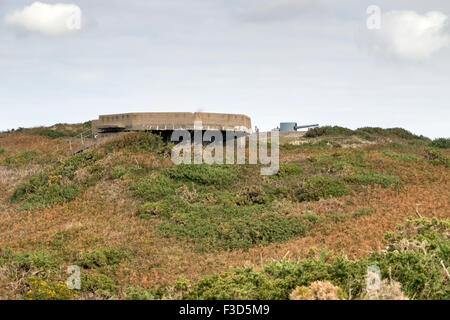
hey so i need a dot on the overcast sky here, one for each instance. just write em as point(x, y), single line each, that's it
point(307, 61)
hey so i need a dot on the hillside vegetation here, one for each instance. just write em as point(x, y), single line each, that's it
point(140, 227)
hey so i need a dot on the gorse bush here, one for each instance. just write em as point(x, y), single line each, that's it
point(310, 144)
point(395, 132)
point(402, 133)
point(341, 162)
point(152, 209)
point(328, 131)
point(289, 169)
point(22, 159)
point(52, 133)
point(418, 271)
point(99, 284)
point(54, 185)
point(154, 187)
point(369, 133)
point(372, 178)
point(42, 290)
point(442, 143)
point(58, 130)
point(278, 279)
point(331, 164)
point(435, 157)
point(250, 195)
point(231, 227)
point(401, 156)
point(239, 285)
point(119, 171)
point(136, 142)
point(217, 175)
point(43, 196)
point(414, 257)
point(321, 187)
point(134, 293)
point(39, 260)
point(68, 167)
point(101, 258)
point(41, 272)
point(392, 132)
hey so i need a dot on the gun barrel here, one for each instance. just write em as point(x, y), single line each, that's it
point(306, 126)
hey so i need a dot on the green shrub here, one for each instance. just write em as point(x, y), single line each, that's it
point(119, 172)
point(154, 187)
point(101, 258)
point(372, 178)
point(314, 144)
point(278, 279)
point(278, 192)
point(22, 159)
point(231, 227)
point(328, 131)
point(321, 187)
point(416, 262)
point(59, 130)
point(393, 132)
point(2, 151)
point(42, 191)
point(42, 290)
point(151, 209)
point(289, 169)
point(416, 267)
point(370, 131)
point(442, 143)
point(96, 172)
point(404, 134)
point(98, 283)
point(243, 284)
point(204, 174)
point(134, 293)
point(436, 158)
point(250, 195)
point(43, 260)
point(55, 185)
point(401, 156)
point(68, 167)
point(332, 164)
point(137, 142)
point(50, 133)
point(312, 217)
point(57, 193)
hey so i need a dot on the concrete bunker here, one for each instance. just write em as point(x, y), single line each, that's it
point(164, 123)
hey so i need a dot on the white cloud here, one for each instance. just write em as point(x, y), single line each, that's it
point(47, 19)
point(407, 35)
point(273, 10)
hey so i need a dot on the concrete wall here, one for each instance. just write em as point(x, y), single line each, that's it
point(160, 121)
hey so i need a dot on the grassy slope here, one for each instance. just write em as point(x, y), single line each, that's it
point(141, 239)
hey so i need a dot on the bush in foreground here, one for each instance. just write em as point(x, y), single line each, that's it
point(417, 268)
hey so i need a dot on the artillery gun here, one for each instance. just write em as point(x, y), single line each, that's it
point(292, 126)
